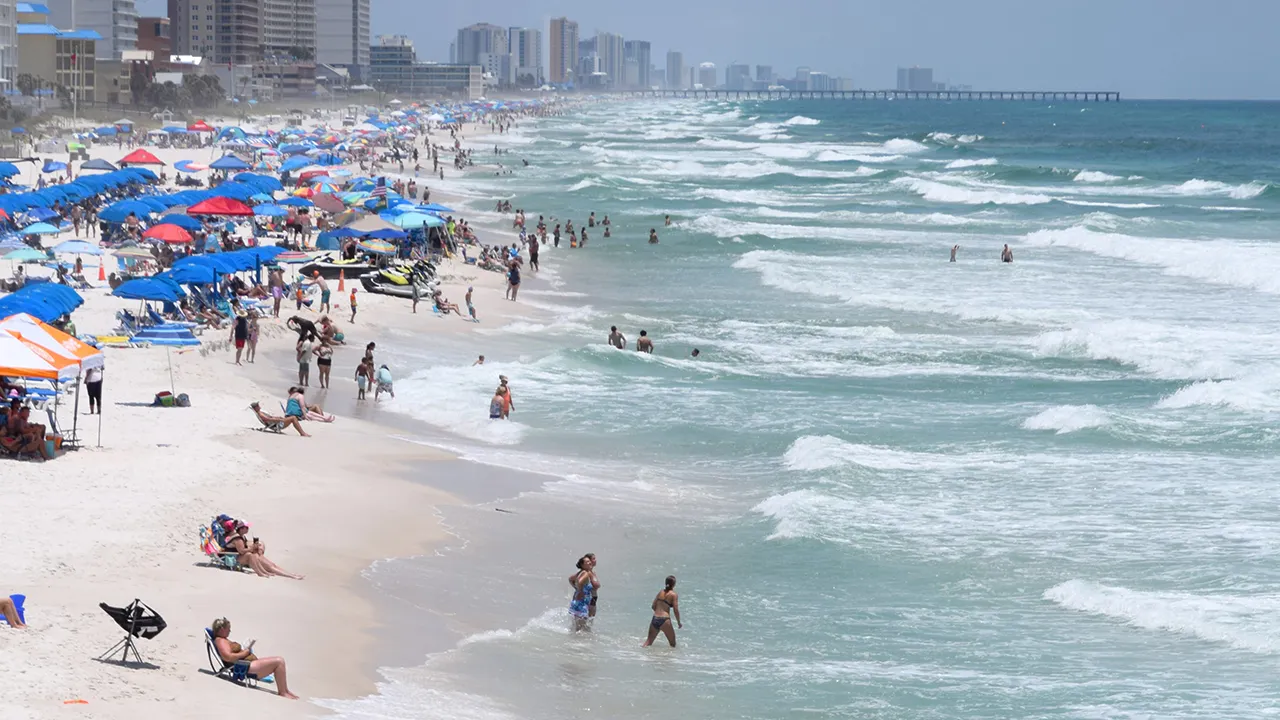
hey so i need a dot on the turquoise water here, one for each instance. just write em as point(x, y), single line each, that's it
point(891, 486)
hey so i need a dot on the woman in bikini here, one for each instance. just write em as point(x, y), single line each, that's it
point(587, 563)
point(584, 586)
point(665, 605)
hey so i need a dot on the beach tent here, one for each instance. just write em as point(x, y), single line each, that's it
point(53, 340)
point(229, 162)
point(140, 157)
point(369, 223)
point(76, 247)
point(25, 359)
point(53, 166)
point(183, 221)
point(97, 164)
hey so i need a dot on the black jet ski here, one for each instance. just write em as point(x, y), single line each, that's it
point(332, 265)
point(396, 280)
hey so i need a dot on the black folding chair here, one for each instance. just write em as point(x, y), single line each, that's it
point(137, 620)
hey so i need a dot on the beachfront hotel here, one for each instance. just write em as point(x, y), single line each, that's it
point(394, 68)
point(564, 50)
point(116, 21)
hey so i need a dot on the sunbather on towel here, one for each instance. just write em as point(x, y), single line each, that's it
point(10, 612)
point(252, 554)
point(231, 653)
point(297, 407)
point(269, 420)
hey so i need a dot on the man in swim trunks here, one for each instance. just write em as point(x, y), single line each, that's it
point(617, 339)
point(644, 344)
point(954, 249)
point(324, 291)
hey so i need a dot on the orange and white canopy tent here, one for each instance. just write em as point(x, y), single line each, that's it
point(23, 358)
point(52, 339)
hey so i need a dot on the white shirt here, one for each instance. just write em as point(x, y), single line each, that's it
point(93, 375)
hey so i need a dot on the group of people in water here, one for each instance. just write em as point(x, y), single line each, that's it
point(586, 596)
point(1006, 255)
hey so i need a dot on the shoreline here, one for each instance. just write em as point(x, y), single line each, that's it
point(299, 493)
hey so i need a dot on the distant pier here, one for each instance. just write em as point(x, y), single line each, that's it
point(1006, 95)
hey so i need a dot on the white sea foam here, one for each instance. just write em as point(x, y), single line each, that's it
point(1245, 395)
point(801, 120)
point(903, 146)
point(457, 401)
point(1123, 206)
point(862, 157)
point(943, 193)
point(823, 452)
point(584, 184)
point(1068, 418)
point(1223, 262)
point(1245, 622)
point(1200, 187)
point(725, 144)
point(1162, 351)
point(979, 162)
point(947, 138)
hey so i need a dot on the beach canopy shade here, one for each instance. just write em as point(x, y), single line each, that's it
point(369, 223)
point(22, 358)
point(269, 210)
point(133, 252)
point(435, 208)
point(26, 254)
point(229, 162)
point(52, 166)
point(189, 166)
point(295, 202)
point(192, 274)
point(328, 202)
point(220, 206)
point(183, 221)
point(140, 157)
point(167, 232)
point(297, 162)
point(98, 164)
point(200, 126)
point(40, 228)
point(263, 183)
point(411, 220)
point(52, 339)
point(147, 289)
point(77, 247)
point(46, 301)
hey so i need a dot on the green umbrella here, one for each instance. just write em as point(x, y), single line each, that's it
point(27, 255)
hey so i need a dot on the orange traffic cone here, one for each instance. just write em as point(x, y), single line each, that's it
point(102, 272)
point(342, 280)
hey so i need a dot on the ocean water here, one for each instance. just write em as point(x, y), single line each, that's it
point(891, 486)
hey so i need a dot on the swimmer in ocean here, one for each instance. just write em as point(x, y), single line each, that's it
point(954, 249)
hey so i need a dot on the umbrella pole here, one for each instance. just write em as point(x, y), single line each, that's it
point(75, 414)
point(169, 354)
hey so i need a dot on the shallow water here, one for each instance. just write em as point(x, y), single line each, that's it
point(891, 486)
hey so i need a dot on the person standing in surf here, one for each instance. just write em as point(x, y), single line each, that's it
point(617, 339)
point(587, 563)
point(955, 249)
point(665, 605)
point(1006, 255)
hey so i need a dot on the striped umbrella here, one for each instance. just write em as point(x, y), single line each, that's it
point(379, 247)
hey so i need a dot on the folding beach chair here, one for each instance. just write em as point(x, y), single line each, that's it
point(237, 672)
point(18, 601)
point(137, 620)
point(211, 545)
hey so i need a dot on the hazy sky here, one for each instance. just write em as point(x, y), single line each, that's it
point(1142, 48)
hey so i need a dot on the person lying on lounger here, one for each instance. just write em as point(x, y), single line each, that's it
point(231, 653)
point(281, 422)
point(252, 554)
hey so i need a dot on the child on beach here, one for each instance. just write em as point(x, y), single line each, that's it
point(385, 384)
point(363, 373)
point(353, 306)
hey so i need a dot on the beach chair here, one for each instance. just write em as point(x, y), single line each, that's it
point(18, 601)
point(276, 427)
point(211, 545)
point(237, 672)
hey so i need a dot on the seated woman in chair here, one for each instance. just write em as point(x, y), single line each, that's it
point(252, 554)
point(19, 435)
point(283, 422)
point(231, 653)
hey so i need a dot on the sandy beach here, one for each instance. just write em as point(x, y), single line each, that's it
point(121, 521)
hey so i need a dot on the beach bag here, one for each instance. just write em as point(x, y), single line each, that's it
point(164, 398)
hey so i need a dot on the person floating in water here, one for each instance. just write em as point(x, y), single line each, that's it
point(665, 605)
point(1006, 255)
point(955, 249)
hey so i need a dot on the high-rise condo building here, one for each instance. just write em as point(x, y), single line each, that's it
point(343, 36)
point(707, 75)
point(612, 57)
point(289, 28)
point(636, 54)
point(676, 74)
point(525, 46)
point(564, 50)
point(115, 20)
point(480, 39)
point(225, 31)
point(764, 74)
point(737, 77)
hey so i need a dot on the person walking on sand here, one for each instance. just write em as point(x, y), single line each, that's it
point(251, 346)
point(93, 383)
point(416, 292)
point(616, 338)
point(644, 344)
point(240, 334)
point(471, 309)
point(324, 363)
point(513, 280)
point(665, 605)
point(353, 306)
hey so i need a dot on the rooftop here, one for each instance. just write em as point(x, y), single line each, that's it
point(47, 29)
point(24, 7)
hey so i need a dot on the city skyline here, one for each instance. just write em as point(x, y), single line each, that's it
point(1142, 48)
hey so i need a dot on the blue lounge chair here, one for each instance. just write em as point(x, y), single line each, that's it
point(18, 601)
point(237, 672)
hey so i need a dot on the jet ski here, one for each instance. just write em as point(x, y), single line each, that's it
point(330, 266)
point(398, 280)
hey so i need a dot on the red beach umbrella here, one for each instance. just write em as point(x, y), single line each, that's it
point(169, 233)
point(220, 206)
point(140, 157)
point(200, 126)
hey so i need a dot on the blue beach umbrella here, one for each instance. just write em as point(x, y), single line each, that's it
point(40, 229)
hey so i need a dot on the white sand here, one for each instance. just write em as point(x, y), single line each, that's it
point(122, 521)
